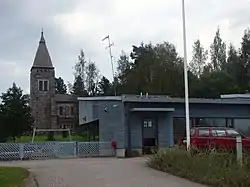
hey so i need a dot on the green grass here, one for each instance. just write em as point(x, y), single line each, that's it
point(12, 176)
point(43, 138)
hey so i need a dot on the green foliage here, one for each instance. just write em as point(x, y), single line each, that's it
point(15, 113)
point(218, 52)
point(105, 87)
point(92, 78)
point(78, 87)
point(86, 77)
point(61, 88)
point(218, 169)
point(199, 59)
point(12, 176)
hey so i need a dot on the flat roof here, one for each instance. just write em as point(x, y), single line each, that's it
point(165, 99)
point(100, 98)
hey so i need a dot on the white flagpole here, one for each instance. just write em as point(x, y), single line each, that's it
point(186, 76)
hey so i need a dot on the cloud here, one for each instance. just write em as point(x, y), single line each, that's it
point(72, 25)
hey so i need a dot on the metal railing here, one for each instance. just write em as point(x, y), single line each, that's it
point(52, 150)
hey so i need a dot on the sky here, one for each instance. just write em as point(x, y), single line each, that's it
point(71, 25)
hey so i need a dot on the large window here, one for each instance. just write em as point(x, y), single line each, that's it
point(209, 122)
point(43, 85)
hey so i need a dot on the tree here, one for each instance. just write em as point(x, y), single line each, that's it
point(124, 64)
point(236, 68)
point(77, 87)
point(199, 58)
point(92, 78)
point(80, 66)
point(218, 52)
point(154, 69)
point(61, 88)
point(105, 87)
point(15, 112)
point(245, 58)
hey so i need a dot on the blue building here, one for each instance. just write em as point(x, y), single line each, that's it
point(137, 122)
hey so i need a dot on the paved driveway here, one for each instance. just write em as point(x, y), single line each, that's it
point(99, 172)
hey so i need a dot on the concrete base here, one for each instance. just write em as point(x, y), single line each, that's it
point(120, 153)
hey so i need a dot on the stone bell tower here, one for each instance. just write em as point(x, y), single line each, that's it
point(42, 86)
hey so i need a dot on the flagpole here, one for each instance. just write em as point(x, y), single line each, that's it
point(186, 75)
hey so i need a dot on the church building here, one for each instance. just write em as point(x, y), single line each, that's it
point(49, 110)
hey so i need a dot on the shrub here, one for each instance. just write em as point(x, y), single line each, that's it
point(213, 168)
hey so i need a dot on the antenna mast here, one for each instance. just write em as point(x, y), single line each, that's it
point(111, 58)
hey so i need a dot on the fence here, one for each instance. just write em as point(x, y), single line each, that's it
point(51, 150)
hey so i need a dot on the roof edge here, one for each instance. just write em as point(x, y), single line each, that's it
point(100, 98)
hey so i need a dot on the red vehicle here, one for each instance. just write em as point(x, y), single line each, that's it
point(215, 137)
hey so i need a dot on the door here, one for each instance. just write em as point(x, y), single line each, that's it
point(149, 135)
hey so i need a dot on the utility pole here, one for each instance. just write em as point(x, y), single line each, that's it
point(111, 59)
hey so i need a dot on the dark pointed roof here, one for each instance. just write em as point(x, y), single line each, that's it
point(42, 58)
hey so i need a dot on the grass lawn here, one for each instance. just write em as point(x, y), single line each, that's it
point(12, 176)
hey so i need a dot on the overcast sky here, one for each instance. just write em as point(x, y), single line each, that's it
point(70, 25)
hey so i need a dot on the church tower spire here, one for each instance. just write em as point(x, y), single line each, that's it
point(42, 58)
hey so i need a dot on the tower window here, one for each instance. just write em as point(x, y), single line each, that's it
point(40, 85)
point(60, 110)
point(43, 85)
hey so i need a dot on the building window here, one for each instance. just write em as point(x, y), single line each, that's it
point(209, 122)
point(60, 110)
point(43, 85)
point(147, 124)
point(72, 110)
point(40, 85)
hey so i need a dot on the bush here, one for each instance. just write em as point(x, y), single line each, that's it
point(213, 168)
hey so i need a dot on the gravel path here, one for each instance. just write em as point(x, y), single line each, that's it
point(99, 172)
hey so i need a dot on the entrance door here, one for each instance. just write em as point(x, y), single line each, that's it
point(149, 135)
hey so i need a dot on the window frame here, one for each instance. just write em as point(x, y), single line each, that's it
point(43, 85)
